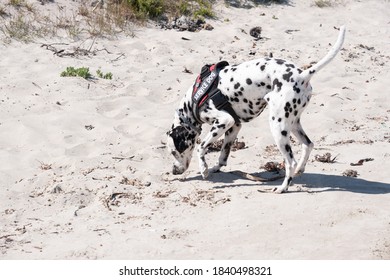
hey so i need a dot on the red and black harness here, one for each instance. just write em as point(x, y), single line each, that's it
point(206, 87)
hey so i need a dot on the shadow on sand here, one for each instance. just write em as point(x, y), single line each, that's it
point(311, 182)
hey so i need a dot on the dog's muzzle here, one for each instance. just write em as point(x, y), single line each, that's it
point(177, 170)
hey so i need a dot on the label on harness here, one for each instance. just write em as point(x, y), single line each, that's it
point(205, 85)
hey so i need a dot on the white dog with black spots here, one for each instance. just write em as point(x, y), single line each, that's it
point(249, 87)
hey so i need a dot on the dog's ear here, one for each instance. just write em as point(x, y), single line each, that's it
point(179, 135)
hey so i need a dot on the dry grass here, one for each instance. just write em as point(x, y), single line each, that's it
point(26, 21)
point(323, 3)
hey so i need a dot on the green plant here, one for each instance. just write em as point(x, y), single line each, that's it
point(77, 72)
point(16, 3)
point(323, 3)
point(101, 75)
point(148, 8)
point(204, 9)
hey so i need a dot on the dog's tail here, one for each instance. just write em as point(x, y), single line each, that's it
point(308, 73)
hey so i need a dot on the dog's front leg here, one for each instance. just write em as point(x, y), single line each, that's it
point(230, 136)
point(222, 122)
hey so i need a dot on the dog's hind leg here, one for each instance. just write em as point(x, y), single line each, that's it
point(222, 123)
point(230, 136)
point(307, 147)
point(281, 133)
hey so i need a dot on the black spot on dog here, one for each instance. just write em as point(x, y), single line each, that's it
point(231, 79)
point(234, 69)
point(226, 70)
point(269, 87)
point(262, 67)
point(288, 150)
point(294, 100)
point(290, 65)
point(280, 61)
point(299, 101)
point(245, 111)
point(241, 88)
point(286, 115)
point(287, 76)
point(277, 84)
point(179, 135)
point(296, 89)
point(215, 134)
point(237, 85)
point(280, 119)
point(249, 81)
point(312, 72)
point(299, 71)
point(284, 133)
point(245, 100)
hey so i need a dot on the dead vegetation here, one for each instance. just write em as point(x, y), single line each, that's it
point(326, 158)
point(25, 21)
point(217, 146)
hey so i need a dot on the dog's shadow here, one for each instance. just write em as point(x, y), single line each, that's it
point(310, 182)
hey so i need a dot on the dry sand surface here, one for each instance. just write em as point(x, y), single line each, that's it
point(84, 172)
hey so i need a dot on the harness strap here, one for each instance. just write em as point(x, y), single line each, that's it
point(221, 103)
point(206, 87)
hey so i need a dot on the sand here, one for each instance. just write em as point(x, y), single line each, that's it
point(85, 173)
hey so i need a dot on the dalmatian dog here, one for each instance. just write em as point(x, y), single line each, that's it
point(249, 87)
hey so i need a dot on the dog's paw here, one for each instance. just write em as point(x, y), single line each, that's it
point(280, 190)
point(205, 173)
point(215, 169)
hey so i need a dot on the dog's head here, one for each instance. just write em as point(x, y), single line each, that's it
point(181, 143)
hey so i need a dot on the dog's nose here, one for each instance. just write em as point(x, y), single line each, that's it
point(176, 170)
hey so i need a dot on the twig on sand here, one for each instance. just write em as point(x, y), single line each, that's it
point(327, 158)
point(360, 162)
point(123, 158)
point(255, 178)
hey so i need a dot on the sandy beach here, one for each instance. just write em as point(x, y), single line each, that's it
point(85, 173)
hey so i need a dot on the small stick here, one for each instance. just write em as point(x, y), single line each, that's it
point(255, 178)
